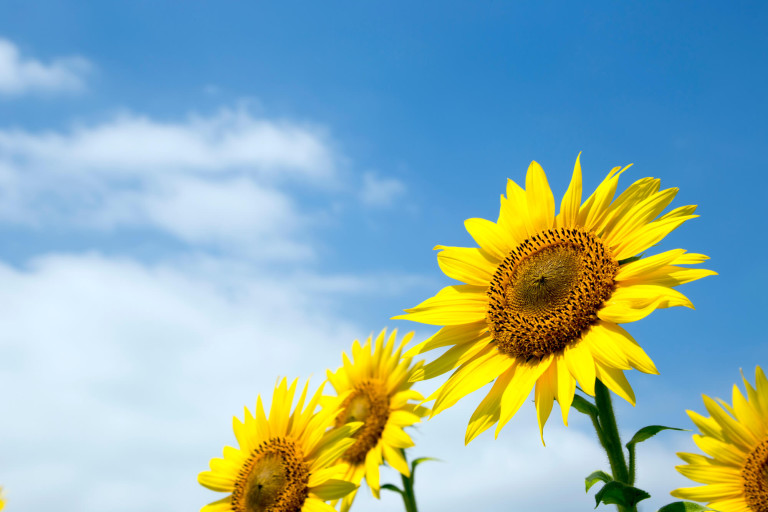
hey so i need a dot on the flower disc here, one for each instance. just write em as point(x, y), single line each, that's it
point(547, 292)
point(755, 478)
point(369, 403)
point(274, 479)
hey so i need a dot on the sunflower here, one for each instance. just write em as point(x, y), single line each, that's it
point(375, 387)
point(736, 440)
point(544, 294)
point(2, 499)
point(285, 463)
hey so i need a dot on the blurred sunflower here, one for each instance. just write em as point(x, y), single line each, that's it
point(286, 462)
point(735, 438)
point(544, 294)
point(375, 388)
point(2, 499)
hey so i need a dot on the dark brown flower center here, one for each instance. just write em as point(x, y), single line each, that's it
point(754, 476)
point(369, 403)
point(547, 292)
point(273, 479)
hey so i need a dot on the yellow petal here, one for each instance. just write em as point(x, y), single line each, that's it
point(581, 365)
point(333, 489)
point(710, 474)
point(395, 459)
point(616, 382)
point(521, 385)
point(566, 387)
point(544, 394)
point(467, 264)
point(452, 305)
point(470, 377)
point(372, 462)
point(315, 505)
point(541, 202)
point(513, 214)
point(708, 492)
point(641, 214)
point(636, 269)
point(487, 413)
point(222, 505)
point(569, 207)
point(323, 475)
point(453, 357)
point(624, 342)
point(490, 237)
point(647, 236)
point(216, 481)
point(451, 335)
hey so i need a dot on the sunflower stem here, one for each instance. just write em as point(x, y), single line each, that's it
point(611, 440)
point(409, 497)
point(409, 500)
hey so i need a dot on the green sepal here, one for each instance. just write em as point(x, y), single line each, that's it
point(582, 405)
point(630, 259)
point(683, 506)
point(391, 487)
point(597, 476)
point(617, 493)
point(648, 432)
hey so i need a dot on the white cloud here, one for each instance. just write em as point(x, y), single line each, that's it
point(123, 378)
point(226, 180)
point(380, 192)
point(19, 75)
point(137, 146)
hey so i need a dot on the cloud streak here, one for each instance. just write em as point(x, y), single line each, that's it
point(21, 75)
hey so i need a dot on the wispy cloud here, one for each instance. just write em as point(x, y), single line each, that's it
point(380, 192)
point(20, 74)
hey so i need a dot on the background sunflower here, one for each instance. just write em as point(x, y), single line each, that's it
point(376, 389)
point(285, 461)
point(735, 440)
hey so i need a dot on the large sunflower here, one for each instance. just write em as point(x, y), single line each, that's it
point(375, 386)
point(286, 462)
point(544, 294)
point(735, 438)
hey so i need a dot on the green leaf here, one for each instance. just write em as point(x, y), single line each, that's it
point(597, 476)
point(418, 461)
point(683, 506)
point(617, 493)
point(648, 432)
point(582, 405)
point(391, 487)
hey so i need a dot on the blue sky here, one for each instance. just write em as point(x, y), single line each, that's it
point(196, 198)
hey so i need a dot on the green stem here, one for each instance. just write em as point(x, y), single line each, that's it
point(611, 440)
point(408, 497)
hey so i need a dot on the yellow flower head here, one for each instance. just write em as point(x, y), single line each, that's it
point(735, 440)
point(375, 389)
point(2, 499)
point(544, 294)
point(286, 462)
